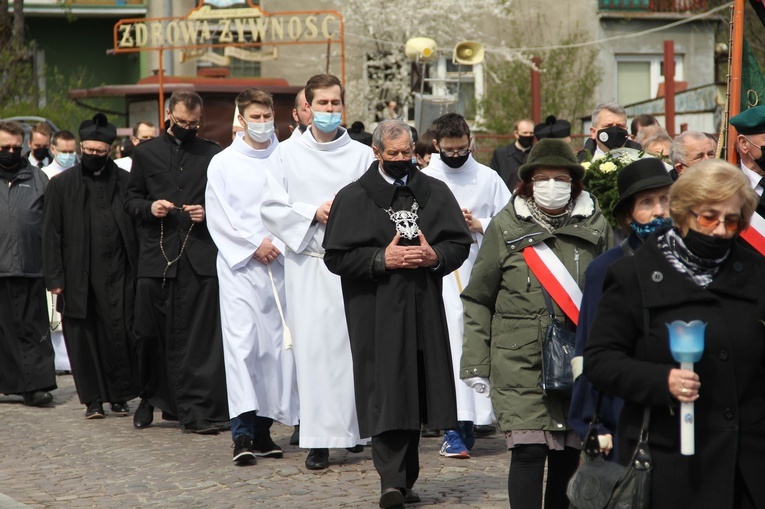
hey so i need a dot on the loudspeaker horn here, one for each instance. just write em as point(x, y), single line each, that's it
point(422, 48)
point(468, 53)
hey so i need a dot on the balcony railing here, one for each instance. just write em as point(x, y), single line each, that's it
point(650, 6)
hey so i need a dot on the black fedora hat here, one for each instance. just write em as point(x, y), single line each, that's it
point(642, 175)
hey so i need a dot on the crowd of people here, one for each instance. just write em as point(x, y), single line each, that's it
point(372, 289)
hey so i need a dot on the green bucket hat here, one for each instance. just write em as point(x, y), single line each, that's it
point(551, 152)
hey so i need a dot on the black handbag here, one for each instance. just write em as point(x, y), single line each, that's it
point(600, 484)
point(557, 352)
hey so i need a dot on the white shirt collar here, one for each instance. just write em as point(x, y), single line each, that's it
point(390, 180)
point(754, 178)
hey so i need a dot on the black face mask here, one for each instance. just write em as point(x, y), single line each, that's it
point(760, 161)
point(10, 161)
point(92, 163)
point(40, 153)
point(454, 162)
point(707, 246)
point(613, 137)
point(183, 134)
point(397, 169)
point(525, 141)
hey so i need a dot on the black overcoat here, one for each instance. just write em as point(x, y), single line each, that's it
point(393, 314)
point(164, 170)
point(506, 161)
point(66, 237)
point(730, 410)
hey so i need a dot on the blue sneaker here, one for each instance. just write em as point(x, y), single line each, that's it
point(453, 446)
point(467, 431)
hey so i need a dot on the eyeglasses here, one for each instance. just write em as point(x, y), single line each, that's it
point(732, 225)
point(11, 148)
point(187, 125)
point(456, 153)
point(94, 151)
point(564, 179)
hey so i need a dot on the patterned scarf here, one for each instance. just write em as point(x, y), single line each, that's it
point(700, 270)
point(547, 221)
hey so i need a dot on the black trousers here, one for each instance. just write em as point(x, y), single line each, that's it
point(26, 353)
point(396, 458)
point(180, 347)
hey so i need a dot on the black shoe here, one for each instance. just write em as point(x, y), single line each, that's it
point(222, 425)
point(95, 410)
point(265, 447)
point(430, 433)
point(484, 431)
point(355, 449)
point(144, 415)
point(121, 409)
point(317, 459)
point(243, 452)
point(392, 498)
point(411, 497)
point(167, 416)
point(37, 398)
point(295, 438)
point(201, 428)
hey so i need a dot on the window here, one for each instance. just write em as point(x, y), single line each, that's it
point(638, 76)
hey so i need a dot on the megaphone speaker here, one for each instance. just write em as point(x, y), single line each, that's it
point(468, 53)
point(422, 48)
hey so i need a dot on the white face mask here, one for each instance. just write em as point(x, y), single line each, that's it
point(552, 195)
point(260, 131)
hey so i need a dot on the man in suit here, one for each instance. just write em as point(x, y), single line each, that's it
point(506, 160)
point(608, 131)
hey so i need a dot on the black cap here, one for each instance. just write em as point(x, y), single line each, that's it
point(552, 128)
point(98, 129)
point(642, 175)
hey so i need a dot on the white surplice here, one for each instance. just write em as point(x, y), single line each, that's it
point(481, 190)
point(260, 373)
point(302, 175)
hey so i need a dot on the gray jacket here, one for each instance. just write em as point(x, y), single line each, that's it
point(21, 209)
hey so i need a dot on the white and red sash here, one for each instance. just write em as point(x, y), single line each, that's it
point(755, 234)
point(555, 278)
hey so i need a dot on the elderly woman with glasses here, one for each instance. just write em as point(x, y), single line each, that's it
point(506, 316)
point(694, 271)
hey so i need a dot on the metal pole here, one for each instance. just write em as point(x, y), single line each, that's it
point(161, 92)
point(536, 92)
point(736, 54)
point(669, 87)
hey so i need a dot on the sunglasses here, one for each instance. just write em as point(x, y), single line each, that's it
point(732, 225)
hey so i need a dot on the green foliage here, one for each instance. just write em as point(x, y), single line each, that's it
point(59, 108)
point(601, 174)
point(569, 78)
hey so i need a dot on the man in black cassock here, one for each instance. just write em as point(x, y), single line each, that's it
point(392, 236)
point(177, 316)
point(26, 352)
point(91, 257)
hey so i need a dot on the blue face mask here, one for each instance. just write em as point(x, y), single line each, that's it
point(66, 160)
point(327, 122)
point(645, 230)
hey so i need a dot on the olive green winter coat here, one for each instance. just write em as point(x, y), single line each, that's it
point(505, 312)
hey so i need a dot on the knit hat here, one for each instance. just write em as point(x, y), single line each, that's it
point(642, 175)
point(552, 128)
point(98, 129)
point(549, 153)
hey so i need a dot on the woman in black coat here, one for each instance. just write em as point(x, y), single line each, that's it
point(695, 271)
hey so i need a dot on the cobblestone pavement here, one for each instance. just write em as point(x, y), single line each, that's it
point(55, 458)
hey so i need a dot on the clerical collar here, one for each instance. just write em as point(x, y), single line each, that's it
point(390, 180)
